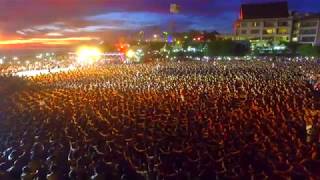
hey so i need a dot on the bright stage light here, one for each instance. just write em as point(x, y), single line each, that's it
point(134, 55)
point(88, 55)
point(130, 53)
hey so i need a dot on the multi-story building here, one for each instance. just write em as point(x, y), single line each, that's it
point(264, 22)
point(306, 28)
point(272, 21)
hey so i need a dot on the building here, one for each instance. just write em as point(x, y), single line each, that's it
point(273, 22)
point(306, 28)
point(269, 21)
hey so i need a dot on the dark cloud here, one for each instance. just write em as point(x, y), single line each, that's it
point(19, 14)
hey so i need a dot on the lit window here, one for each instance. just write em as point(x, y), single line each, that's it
point(269, 31)
point(255, 24)
point(283, 31)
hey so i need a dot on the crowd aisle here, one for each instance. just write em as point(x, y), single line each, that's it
point(182, 120)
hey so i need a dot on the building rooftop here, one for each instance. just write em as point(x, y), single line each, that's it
point(306, 15)
point(264, 10)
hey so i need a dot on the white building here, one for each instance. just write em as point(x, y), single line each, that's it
point(272, 21)
point(306, 29)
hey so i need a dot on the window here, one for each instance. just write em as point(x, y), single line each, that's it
point(269, 24)
point(268, 38)
point(254, 38)
point(309, 24)
point(269, 31)
point(308, 31)
point(243, 31)
point(308, 39)
point(255, 31)
point(244, 24)
point(255, 24)
point(282, 38)
point(283, 31)
point(283, 23)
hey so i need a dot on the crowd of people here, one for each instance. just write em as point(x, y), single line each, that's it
point(168, 120)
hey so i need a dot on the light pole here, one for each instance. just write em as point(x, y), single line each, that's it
point(174, 9)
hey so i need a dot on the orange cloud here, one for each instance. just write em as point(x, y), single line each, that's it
point(47, 41)
point(54, 34)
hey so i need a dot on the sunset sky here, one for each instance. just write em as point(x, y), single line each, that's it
point(59, 23)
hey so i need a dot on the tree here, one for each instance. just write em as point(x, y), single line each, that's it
point(153, 50)
point(292, 47)
point(155, 46)
point(241, 49)
point(226, 48)
point(309, 50)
